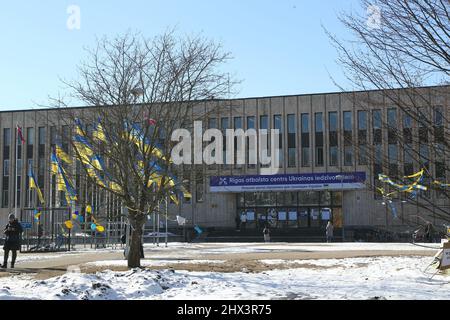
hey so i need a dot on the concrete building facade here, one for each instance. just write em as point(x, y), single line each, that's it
point(333, 136)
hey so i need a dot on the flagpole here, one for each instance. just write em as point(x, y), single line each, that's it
point(51, 193)
point(16, 175)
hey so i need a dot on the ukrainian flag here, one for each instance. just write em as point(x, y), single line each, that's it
point(34, 185)
point(61, 154)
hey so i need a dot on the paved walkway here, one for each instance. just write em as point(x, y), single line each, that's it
point(229, 251)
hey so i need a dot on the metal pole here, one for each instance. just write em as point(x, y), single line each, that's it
point(15, 181)
point(154, 226)
point(157, 231)
point(343, 220)
point(50, 205)
point(167, 210)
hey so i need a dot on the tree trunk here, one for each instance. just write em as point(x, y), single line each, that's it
point(134, 254)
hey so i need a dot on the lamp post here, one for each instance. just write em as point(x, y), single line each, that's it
point(341, 177)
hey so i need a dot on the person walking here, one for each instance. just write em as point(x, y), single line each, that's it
point(329, 231)
point(243, 219)
point(266, 233)
point(238, 222)
point(13, 231)
point(428, 235)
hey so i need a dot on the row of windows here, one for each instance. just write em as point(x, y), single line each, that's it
point(347, 133)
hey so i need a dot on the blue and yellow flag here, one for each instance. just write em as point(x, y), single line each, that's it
point(99, 133)
point(61, 154)
point(34, 185)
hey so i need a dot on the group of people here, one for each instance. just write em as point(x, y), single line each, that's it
point(328, 232)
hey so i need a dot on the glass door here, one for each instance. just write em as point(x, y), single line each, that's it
point(314, 217)
point(303, 218)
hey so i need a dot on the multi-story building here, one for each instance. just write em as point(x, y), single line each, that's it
point(333, 146)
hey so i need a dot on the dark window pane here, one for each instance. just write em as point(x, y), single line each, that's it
point(347, 121)
point(6, 137)
point(305, 123)
point(305, 157)
point(332, 121)
point(333, 156)
point(318, 122)
point(362, 120)
point(438, 116)
point(348, 155)
point(376, 119)
point(212, 123)
point(251, 122)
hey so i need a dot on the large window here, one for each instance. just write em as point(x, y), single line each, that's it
point(423, 125)
point(348, 132)
point(376, 125)
point(348, 155)
point(6, 166)
point(392, 158)
point(212, 123)
point(392, 125)
point(438, 121)
point(333, 138)
point(318, 120)
point(362, 127)
point(29, 157)
point(224, 125)
point(407, 127)
point(237, 125)
point(424, 155)
point(291, 140)
point(251, 124)
point(278, 125)
point(305, 140)
point(41, 157)
point(19, 169)
point(408, 163)
point(347, 128)
point(264, 125)
point(362, 138)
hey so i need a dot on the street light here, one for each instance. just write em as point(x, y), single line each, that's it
point(341, 177)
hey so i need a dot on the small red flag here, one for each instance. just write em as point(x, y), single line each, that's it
point(19, 132)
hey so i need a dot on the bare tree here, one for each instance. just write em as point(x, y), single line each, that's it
point(402, 49)
point(138, 91)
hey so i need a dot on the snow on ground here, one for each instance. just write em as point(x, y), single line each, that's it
point(148, 262)
point(351, 278)
point(266, 247)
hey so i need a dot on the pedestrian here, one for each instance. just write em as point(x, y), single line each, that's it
point(12, 232)
point(329, 231)
point(266, 233)
point(428, 232)
point(243, 219)
point(238, 222)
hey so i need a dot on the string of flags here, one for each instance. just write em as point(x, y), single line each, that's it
point(412, 188)
point(78, 218)
point(97, 170)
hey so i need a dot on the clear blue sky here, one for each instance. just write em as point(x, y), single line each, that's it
point(279, 47)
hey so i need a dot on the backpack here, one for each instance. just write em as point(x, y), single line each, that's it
point(266, 231)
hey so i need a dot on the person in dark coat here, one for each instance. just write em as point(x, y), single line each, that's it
point(13, 231)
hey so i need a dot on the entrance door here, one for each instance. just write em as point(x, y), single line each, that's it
point(314, 217)
point(303, 218)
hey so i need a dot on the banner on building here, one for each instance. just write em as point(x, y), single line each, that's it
point(289, 182)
